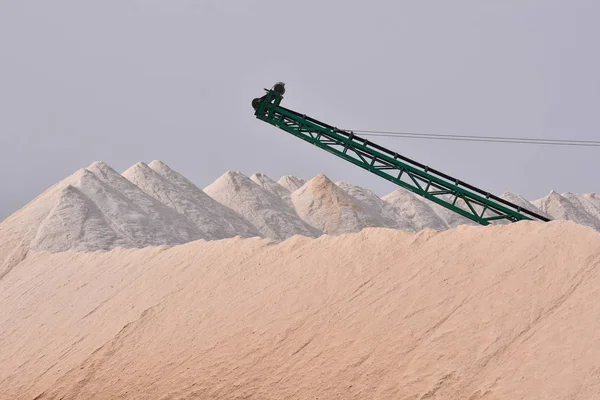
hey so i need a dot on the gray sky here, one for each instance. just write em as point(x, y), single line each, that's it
point(126, 81)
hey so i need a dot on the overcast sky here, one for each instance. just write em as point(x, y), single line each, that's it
point(126, 81)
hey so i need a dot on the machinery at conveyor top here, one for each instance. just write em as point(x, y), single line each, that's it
point(475, 204)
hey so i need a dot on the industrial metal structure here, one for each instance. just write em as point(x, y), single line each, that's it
point(460, 197)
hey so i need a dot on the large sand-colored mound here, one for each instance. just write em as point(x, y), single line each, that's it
point(506, 312)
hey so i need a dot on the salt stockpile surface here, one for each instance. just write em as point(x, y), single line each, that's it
point(176, 226)
point(523, 202)
point(231, 218)
point(270, 185)
point(324, 205)
point(418, 212)
point(560, 207)
point(271, 215)
point(589, 207)
point(93, 209)
point(374, 211)
point(213, 219)
point(77, 223)
point(19, 229)
point(505, 312)
point(291, 183)
point(412, 206)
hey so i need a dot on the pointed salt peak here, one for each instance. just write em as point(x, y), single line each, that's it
point(139, 166)
point(321, 179)
point(138, 169)
point(230, 177)
point(158, 164)
point(320, 183)
point(162, 166)
point(99, 165)
point(103, 168)
point(554, 193)
point(234, 175)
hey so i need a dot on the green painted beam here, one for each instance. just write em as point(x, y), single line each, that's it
point(473, 203)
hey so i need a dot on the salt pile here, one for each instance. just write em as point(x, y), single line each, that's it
point(567, 208)
point(522, 202)
point(270, 185)
point(418, 212)
point(374, 211)
point(271, 215)
point(506, 312)
point(93, 209)
point(583, 203)
point(324, 205)
point(75, 223)
point(99, 209)
point(19, 229)
point(214, 220)
point(291, 183)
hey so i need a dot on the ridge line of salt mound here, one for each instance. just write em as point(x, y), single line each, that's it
point(270, 214)
point(176, 227)
point(212, 218)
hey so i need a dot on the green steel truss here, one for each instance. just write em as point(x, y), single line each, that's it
point(462, 198)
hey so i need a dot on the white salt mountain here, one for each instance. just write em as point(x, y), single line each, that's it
point(271, 215)
point(523, 202)
point(76, 223)
point(19, 229)
point(590, 207)
point(168, 226)
point(327, 207)
point(291, 183)
point(567, 208)
point(419, 212)
point(214, 220)
point(582, 209)
point(98, 209)
point(593, 198)
point(270, 185)
point(93, 209)
point(375, 212)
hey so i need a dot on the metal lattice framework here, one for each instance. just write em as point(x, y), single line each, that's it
point(464, 199)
